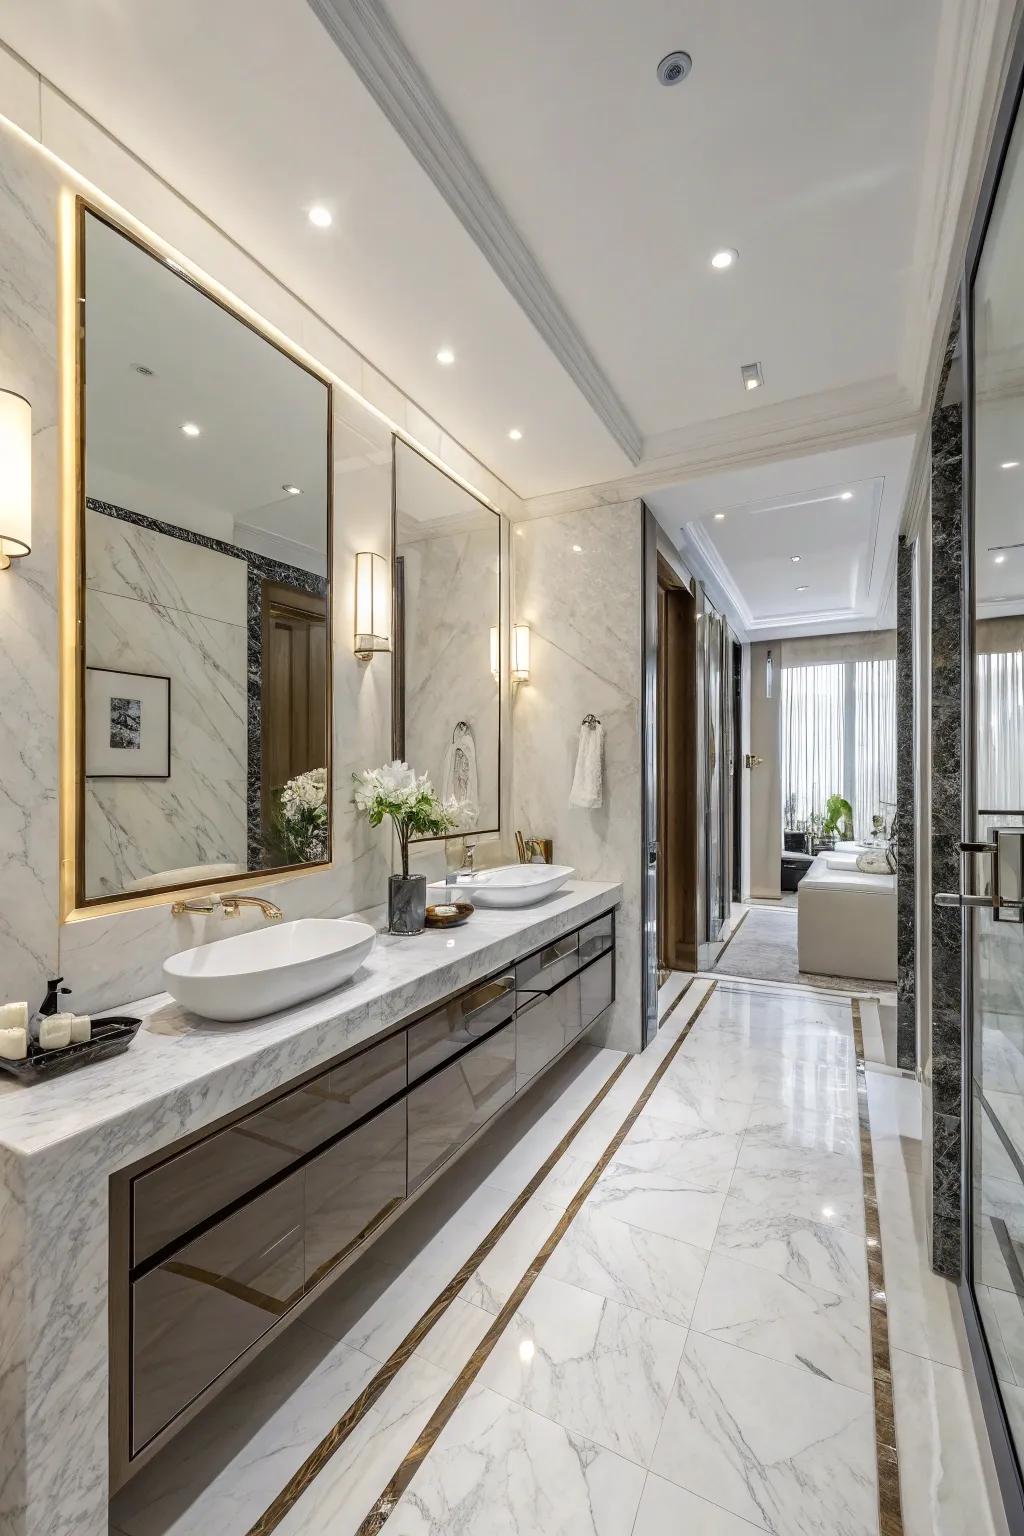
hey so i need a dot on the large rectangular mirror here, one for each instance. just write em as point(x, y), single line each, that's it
point(447, 645)
point(204, 585)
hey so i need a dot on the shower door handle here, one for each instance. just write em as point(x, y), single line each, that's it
point(1006, 898)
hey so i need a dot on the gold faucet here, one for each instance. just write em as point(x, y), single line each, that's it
point(228, 905)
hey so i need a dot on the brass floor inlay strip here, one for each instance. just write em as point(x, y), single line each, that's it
point(725, 946)
point(385, 1504)
point(890, 1505)
point(381, 1380)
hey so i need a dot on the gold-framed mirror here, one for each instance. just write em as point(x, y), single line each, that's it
point(203, 585)
point(447, 664)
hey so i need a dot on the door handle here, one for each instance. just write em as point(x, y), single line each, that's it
point(1006, 898)
point(752, 760)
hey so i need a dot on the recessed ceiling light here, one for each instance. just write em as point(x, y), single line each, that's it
point(721, 260)
point(795, 559)
point(446, 357)
point(293, 490)
point(147, 373)
point(515, 434)
point(1011, 464)
point(845, 495)
point(803, 588)
point(674, 67)
point(321, 216)
point(1000, 559)
point(577, 549)
point(752, 375)
point(719, 517)
point(190, 429)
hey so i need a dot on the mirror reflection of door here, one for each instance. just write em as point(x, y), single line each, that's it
point(294, 722)
point(994, 785)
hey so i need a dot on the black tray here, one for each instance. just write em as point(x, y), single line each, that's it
point(109, 1036)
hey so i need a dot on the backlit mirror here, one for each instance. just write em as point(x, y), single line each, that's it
point(204, 751)
point(447, 647)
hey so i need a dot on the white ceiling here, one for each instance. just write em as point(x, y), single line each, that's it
point(838, 511)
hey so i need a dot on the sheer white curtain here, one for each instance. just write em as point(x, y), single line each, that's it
point(1000, 726)
point(874, 738)
point(811, 700)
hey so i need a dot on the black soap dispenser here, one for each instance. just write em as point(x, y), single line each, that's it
point(49, 1005)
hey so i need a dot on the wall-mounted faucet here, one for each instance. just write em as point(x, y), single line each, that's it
point(230, 906)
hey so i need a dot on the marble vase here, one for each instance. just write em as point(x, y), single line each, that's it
point(407, 904)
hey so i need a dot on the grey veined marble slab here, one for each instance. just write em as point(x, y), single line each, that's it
point(60, 1142)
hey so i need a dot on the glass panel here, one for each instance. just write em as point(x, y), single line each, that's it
point(812, 743)
point(205, 590)
point(997, 947)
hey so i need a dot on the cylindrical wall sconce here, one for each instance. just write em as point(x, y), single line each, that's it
point(520, 653)
point(15, 477)
point(373, 605)
point(769, 675)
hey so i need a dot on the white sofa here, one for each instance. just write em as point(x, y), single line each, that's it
point(846, 920)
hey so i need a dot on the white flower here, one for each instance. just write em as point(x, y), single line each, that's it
point(395, 782)
point(306, 792)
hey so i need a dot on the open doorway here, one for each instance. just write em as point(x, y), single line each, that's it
point(677, 799)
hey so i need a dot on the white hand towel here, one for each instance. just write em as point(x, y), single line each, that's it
point(587, 792)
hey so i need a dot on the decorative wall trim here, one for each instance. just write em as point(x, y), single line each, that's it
point(906, 812)
point(363, 32)
point(260, 569)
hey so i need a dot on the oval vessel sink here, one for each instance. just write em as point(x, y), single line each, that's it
point(252, 974)
point(513, 885)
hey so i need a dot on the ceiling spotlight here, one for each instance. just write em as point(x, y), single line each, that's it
point(190, 429)
point(1000, 559)
point(1011, 464)
point(795, 559)
point(515, 434)
point(719, 517)
point(803, 588)
point(674, 67)
point(577, 549)
point(320, 216)
point(723, 259)
point(752, 375)
point(147, 373)
point(293, 490)
point(446, 357)
point(845, 495)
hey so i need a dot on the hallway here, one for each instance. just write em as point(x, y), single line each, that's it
point(647, 1297)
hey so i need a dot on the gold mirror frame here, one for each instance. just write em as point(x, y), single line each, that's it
point(74, 900)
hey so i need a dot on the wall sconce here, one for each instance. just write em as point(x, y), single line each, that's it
point(373, 605)
point(769, 675)
point(15, 477)
point(495, 654)
point(520, 653)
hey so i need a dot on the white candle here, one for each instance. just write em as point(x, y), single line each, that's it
point(14, 1016)
point(55, 1032)
point(13, 1042)
point(81, 1028)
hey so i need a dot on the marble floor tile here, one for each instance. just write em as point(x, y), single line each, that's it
point(594, 1366)
point(373, 1306)
point(784, 1125)
point(440, 1231)
point(778, 1447)
point(492, 1284)
point(924, 1312)
point(813, 1252)
point(676, 1204)
point(896, 1123)
point(656, 1274)
point(1002, 1314)
point(227, 1466)
point(941, 1478)
point(785, 1320)
point(790, 1183)
point(667, 1510)
point(698, 1153)
point(691, 1103)
point(498, 1469)
point(339, 1499)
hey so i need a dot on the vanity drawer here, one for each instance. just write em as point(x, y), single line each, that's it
point(597, 989)
point(171, 1199)
point(447, 1109)
point(459, 1023)
point(351, 1188)
point(199, 1310)
point(597, 938)
point(544, 1026)
point(549, 966)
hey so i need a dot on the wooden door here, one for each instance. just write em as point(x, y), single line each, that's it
point(294, 696)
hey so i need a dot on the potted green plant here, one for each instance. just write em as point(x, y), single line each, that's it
point(838, 816)
point(394, 790)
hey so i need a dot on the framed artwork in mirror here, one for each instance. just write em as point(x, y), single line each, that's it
point(128, 725)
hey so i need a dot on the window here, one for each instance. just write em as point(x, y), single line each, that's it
point(999, 705)
point(839, 737)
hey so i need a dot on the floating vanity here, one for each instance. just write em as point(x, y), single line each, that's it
point(193, 1195)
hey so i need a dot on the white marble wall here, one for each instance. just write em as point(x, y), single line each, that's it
point(114, 958)
point(159, 605)
point(584, 609)
point(451, 604)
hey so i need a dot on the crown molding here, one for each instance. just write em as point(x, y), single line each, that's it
point(791, 429)
point(364, 33)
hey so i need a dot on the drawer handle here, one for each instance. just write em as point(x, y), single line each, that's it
point(479, 1001)
point(558, 951)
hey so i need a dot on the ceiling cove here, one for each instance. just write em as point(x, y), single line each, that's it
point(363, 32)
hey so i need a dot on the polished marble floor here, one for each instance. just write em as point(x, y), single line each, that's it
point(693, 1355)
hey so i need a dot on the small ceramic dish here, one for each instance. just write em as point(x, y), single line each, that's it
point(110, 1035)
point(449, 914)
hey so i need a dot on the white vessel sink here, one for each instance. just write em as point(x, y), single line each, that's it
point(255, 973)
point(512, 885)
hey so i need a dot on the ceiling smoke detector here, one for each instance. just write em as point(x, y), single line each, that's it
point(674, 67)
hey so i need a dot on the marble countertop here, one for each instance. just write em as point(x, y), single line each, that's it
point(182, 1071)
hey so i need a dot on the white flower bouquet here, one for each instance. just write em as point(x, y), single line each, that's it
point(395, 790)
point(302, 816)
